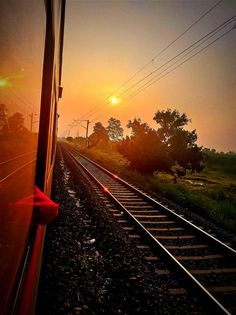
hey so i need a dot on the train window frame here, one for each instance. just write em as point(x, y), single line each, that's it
point(44, 166)
point(46, 98)
point(55, 124)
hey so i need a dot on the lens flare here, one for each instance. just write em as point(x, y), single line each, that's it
point(3, 83)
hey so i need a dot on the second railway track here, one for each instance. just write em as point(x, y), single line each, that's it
point(204, 264)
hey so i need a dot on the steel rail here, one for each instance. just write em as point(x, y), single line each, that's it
point(203, 233)
point(194, 283)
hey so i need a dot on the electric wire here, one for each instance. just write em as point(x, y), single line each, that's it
point(159, 78)
point(198, 42)
point(201, 41)
point(153, 59)
point(141, 89)
point(169, 45)
point(206, 39)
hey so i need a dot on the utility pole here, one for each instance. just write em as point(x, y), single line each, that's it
point(77, 121)
point(87, 127)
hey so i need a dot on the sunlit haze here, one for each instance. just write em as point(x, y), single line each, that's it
point(107, 42)
point(114, 100)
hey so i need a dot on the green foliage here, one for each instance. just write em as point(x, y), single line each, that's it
point(144, 149)
point(108, 156)
point(181, 143)
point(173, 149)
point(114, 130)
point(169, 122)
point(150, 150)
point(223, 163)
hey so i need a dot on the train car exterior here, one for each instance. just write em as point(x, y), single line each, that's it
point(31, 41)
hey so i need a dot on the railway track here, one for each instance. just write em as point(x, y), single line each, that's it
point(204, 264)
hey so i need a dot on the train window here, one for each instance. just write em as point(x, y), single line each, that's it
point(22, 29)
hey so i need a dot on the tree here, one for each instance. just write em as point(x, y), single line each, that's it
point(169, 148)
point(143, 148)
point(114, 129)
point(138, 128)
point(170, 122)
point(100, 131)
point(99, 135)
point(181, 143)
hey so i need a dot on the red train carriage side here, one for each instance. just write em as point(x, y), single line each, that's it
point(31, 41)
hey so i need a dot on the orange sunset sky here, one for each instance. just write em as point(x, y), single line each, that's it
point(107, 42)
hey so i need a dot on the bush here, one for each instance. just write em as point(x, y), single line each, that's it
point(224, 163)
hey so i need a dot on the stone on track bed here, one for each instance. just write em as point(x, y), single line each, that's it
point(89, 264)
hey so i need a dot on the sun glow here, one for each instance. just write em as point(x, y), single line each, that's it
point(114, 100)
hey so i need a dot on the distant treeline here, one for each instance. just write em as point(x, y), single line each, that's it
point(169, 147)
point(221, 162)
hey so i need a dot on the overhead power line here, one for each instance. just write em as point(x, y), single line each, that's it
point(169, 45)
point(185, 52)
point(199, 41)
point(194, 46)
point(96, 108)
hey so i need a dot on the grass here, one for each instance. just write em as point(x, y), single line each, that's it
point(211, 193)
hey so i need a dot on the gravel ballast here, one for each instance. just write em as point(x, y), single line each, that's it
point(90, 266)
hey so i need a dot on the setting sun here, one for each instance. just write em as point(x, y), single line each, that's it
point(114, 100)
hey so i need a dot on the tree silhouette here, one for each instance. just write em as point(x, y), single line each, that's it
point(138, 128)
point(169, 148)
point(170, 122)
point(99, 135)
point(144, 149)
point(114, 129)
point(181, 143)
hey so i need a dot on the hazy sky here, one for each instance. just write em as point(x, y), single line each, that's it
point(106, 42)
